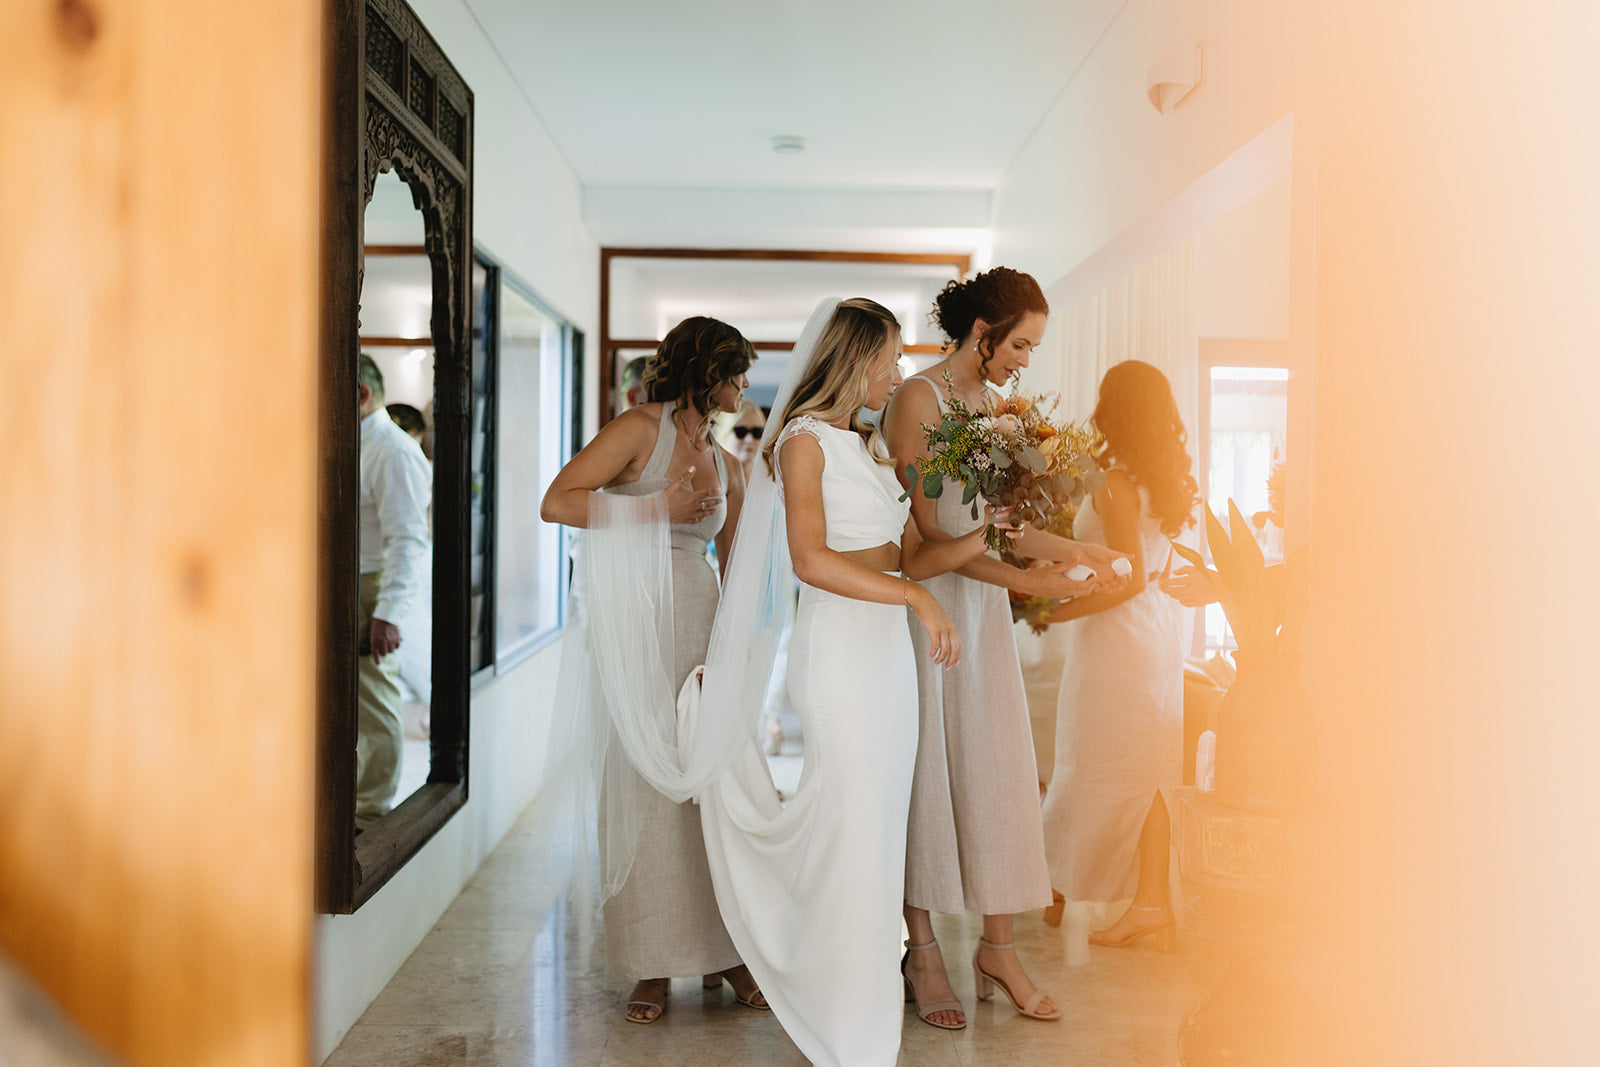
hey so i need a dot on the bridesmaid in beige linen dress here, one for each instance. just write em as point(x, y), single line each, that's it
point(974, 840)
point(664, 921)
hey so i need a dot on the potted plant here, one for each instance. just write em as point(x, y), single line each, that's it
point(1266, 731)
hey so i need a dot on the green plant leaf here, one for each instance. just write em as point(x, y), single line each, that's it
point(1221, 549)
point(999, 458)
point(1295, 598)
point(1190, 556)
point(932, 485)
point(970, 495)
point(1032, 459)
point(1253, 589)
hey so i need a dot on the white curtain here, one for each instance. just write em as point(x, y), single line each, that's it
point(1147, 314)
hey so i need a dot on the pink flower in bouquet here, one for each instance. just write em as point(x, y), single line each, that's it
point(1009, 425)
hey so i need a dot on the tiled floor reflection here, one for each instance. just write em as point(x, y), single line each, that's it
point(509, 976)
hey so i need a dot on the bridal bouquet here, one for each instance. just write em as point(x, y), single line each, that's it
point(1012, 456)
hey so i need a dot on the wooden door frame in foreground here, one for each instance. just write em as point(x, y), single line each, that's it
point(609, 346)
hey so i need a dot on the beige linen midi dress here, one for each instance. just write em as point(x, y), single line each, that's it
point(974, 841)
point(664, 921)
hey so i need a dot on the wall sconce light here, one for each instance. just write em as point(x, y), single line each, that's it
point(1173, 77)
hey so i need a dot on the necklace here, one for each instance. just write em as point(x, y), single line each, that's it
point(693, 436)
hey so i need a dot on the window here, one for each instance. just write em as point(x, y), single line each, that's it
point(533, 356)
point(1245, 419)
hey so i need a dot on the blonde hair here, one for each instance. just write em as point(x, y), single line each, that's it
point(723, 422)
point(839, 380)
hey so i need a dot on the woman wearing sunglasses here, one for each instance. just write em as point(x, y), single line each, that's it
point(740, 433)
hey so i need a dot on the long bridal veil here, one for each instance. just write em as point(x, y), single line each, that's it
point(614, 698)
point(720, 713)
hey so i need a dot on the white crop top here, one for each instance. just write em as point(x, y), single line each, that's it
point(860, 497)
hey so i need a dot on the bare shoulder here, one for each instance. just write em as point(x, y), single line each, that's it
point(914, 404)
point(1120, 481)
point(917, 394)
point(1119, 495)
point(635, 424)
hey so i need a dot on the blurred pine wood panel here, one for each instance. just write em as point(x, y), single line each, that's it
point(158, 300)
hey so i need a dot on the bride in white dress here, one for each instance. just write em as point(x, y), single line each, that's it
point(811, 891)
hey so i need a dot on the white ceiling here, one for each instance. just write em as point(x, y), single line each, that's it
point(889, 94)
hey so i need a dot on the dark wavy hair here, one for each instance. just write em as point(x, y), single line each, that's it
point(1144, 435)
point(999, 296)
point(696, 358)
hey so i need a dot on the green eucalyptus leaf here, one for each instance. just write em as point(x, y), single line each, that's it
point(932, 486)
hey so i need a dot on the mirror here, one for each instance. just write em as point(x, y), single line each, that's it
point(399, 134)
point(395, 526)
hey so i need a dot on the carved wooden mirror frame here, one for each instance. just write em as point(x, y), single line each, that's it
point(393, 102)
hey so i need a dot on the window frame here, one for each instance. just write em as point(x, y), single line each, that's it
point(1229, 352)
point(570, 359)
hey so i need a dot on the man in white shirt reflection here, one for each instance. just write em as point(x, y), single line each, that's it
point(393, 543)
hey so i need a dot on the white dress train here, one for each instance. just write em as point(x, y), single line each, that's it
point(811, 891)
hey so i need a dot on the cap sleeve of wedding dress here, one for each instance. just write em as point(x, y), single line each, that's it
point(805, 424)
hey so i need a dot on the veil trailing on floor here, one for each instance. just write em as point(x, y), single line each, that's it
point(615, 700)
point(720, 707)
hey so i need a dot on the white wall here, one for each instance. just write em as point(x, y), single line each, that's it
point(527, 216)
point(1103, 159)
point(1242, 270)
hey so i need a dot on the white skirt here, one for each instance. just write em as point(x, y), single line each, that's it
point(1119, 741)
point(811, 894)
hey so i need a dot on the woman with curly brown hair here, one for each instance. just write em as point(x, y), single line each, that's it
point(661, 916)
point(974, 842)
point(1119, 732)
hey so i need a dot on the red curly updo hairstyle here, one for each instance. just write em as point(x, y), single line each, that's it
point(1144, 435)
point(999, 296)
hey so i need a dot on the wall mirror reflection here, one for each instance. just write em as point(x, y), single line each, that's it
point(398, 530)
point(395, 535)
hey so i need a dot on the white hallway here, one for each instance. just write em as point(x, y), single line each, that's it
point(1403, 199)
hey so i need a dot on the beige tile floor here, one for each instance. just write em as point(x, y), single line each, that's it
point(509, 976)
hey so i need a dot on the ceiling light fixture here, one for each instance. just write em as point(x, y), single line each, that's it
point(788, 144)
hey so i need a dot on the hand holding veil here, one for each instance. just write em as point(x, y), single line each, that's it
point(614, 700)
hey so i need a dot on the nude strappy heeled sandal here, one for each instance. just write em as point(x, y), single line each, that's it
point(661, 1009)
point(987, 982)
point(1164, 931)
point(911, 993)
point(714, 981)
